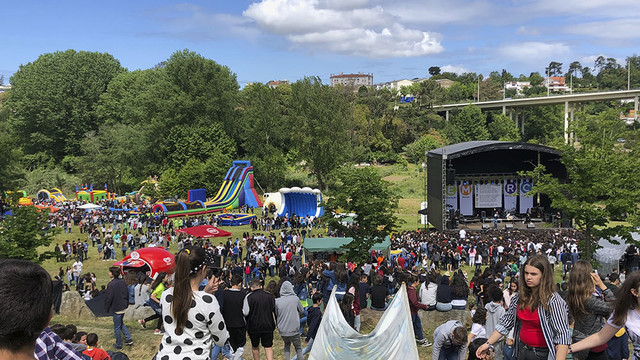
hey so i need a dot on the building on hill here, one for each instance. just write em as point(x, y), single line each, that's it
point(555, 83)
point(275, 83)
point(518, 86)
point(355, 80)
point(4, 88)
point(444, 83)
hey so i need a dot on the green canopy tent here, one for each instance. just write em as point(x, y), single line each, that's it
point(333, 244)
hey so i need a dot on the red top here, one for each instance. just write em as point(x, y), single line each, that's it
point(531, 330)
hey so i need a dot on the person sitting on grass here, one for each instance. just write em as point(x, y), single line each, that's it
point(93, 351)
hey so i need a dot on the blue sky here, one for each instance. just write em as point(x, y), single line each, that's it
point(289, 39)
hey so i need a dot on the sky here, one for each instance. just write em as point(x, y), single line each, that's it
point(290, 39)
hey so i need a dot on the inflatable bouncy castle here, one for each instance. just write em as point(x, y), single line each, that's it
point(300, 201)
point(236, 190)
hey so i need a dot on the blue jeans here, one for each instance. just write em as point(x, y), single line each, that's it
point(303, 319)
point(443, 307)
point(508, 352)
point(449, 353)
point(118, 326)
point(417, 326)
point(306, 350)
point(225, 350)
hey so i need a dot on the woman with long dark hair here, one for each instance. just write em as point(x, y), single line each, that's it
point(588, 310)
point(192, 318)
point(460, 291)
point(537, 313)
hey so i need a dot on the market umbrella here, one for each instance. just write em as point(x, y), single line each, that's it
point(204, 231)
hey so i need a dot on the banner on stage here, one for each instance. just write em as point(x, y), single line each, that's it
point(452, 197)
point(526, 196)
point(488, 195)
point(465, 189)
point(510, 195)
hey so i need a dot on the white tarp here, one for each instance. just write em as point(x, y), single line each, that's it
point(89, 206)
point(393, 337)
point(526, 196)
point(488, 195)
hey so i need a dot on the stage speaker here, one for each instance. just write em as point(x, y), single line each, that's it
point(531, 226)
point(485, 226)
point(508, 226)
point(483, 214)
point(451, 176)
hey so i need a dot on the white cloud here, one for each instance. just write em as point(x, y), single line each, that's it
point(588, 8)
point(195, 22)
point(523, 30)
point(440, 12)
point(613, 29)
point(458, 69)
point(534, 52)
point(351, 27)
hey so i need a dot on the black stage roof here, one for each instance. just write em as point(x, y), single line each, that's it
point(473, 147)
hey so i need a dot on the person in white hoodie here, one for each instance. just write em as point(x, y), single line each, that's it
point(288, 311)
point(428, 291)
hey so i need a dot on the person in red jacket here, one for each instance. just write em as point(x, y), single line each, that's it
point(414, 306)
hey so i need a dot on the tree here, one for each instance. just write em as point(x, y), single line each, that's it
point(53, 100)
point(416, 150)
point(503, 128)
point(10, 169)
point(265, 129)
point(468, 125)
point(554, 68)
point(24, 232)
point(319, 116)
point(434, 70)
point(110, 156)
point(536, 79)
point(602, 179)
point(364, 193)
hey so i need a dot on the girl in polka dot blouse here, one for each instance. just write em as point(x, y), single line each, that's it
point(192, 318)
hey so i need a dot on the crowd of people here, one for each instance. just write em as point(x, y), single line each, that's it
point(504, 278)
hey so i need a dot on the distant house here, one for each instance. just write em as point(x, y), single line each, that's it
point(555, 83)
point(518, 86)
point(394, 85)
point(275, 83)
point(444, 83)
point(355, 80)
point(4, 88)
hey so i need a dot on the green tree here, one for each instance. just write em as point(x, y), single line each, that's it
point(372, 199)
point(416, 150)
point(23, 233)
point(434, 70)
point(544, 124)
point(11, 171)
point(602, 179)
point(265, 131)
point(554, 69)
point(468, 125)
point(319, 117)
point(53, 100)
point(502, 128)
point(111, 156)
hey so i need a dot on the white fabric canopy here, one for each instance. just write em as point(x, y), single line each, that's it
point(89, 206)
point(393, 337)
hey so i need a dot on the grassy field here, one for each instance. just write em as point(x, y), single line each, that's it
point(409, 184)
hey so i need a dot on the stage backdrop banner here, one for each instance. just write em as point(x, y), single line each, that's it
point(510, 195)
point(452, 197)
point(526, 196)
point(466, 198)
point(488, 195)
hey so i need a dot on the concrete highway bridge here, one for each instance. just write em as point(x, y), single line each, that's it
point(514, 107)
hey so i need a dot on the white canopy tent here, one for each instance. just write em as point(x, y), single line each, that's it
point(89, 207)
